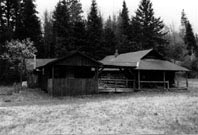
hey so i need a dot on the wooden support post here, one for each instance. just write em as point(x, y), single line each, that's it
point(164, 79)
point(96, 79)
point(139, 83)
point(52, 81)
point(133, 84)
point(168, 85)
point(187, 80)
point(177, 83)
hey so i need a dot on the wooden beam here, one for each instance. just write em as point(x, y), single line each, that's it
point(100, 70)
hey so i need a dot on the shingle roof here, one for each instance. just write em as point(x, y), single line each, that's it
point(39, 63)
point(71, 54)
point(126, 59)
point(138, 61)
point(152, 64)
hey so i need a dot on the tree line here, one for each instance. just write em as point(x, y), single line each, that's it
point(65, 29)
point(98, 38)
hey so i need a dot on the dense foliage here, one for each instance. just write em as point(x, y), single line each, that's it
point(19, 20)
point(65, 29)
point(150, 29)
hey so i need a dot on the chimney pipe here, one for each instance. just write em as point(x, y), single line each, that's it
point(116, 53)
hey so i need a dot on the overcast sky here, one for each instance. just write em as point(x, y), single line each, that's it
point(168, 10)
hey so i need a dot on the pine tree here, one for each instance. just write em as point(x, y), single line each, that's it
point(94, 33)
point(151, 29)
point(188, 35)
point(78, 25)
point(189, 39)
point(68, 27)
point(184, 21)
point(31, 25)
point(61, 28)
point(9, 11)
point(19, 32)
point(75, 9)
point(124, 26)
point(79, 35)
point(2, 28)
point(48, 35)
point(109, 38)
point(123, 33)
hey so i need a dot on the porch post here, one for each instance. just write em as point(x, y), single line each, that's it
point(52, 81)
point(187, 80)
point(96, 78)
point(164, 76)
point(139, 83)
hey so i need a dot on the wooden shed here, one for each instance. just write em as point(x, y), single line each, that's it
point(74, 74)
point(146, 69)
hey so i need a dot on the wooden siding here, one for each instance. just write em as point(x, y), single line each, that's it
point(72, 87)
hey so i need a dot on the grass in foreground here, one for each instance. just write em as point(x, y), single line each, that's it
point(34, 112)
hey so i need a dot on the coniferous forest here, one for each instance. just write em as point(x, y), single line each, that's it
point(65, 29)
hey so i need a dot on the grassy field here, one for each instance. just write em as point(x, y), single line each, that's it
point(34, 112)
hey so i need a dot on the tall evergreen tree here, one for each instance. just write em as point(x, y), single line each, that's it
point(9, 11)
point(94, 33)
point(2, 28)
point(150, 29)
point(78, 25)
point(123, 35)
point(184, 21)
point(124, 26)
point(61, 28)
point(48, 35)
point(68, 27)
point(31, 25)
point(110, 41)
point(75, 9)
point(79, 35)
point(189, 39)
point(188, 36)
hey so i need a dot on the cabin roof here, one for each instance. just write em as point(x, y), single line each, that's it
point(140, 60)
point(153, 64)
point(73, 54)
point(69, 56)
point(126, 59)
point(47, 62)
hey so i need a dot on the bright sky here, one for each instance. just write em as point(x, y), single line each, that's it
point(168, 10)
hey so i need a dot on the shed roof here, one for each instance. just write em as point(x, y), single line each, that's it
point(39, 63)
point(140, 61)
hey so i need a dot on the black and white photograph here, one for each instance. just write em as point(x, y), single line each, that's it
point(98, 67)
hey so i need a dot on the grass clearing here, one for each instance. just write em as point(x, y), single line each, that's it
point(34, 112)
